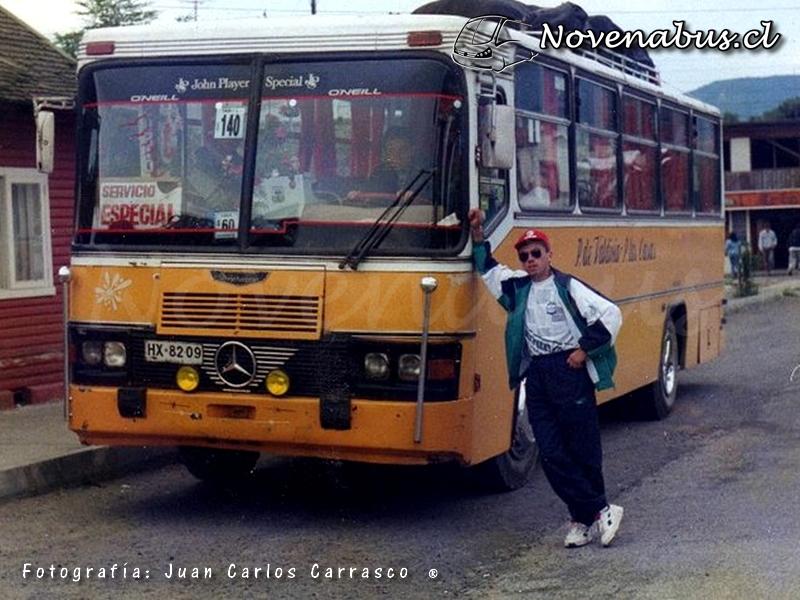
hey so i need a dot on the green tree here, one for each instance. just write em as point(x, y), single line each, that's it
point(69, 42)
point(729, 117)
point(786, 110)
point(105, 13)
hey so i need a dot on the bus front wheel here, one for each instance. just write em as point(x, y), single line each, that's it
point(512, 469)
point(216, 465)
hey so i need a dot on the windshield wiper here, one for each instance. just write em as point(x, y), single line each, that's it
point(385, 221)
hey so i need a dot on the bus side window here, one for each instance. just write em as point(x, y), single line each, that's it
point(640, 177)
point(639, 155)
point(493, 194)
point(706, 160)
point(675, 160)
point(597, 146)
point(542, 136)
point(538, 177)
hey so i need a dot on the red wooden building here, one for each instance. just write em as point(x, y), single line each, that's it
point(36, 214)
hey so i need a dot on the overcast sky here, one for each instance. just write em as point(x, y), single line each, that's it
point(681, 70)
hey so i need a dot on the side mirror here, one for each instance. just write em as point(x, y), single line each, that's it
point(45, 141)
point(496, 131)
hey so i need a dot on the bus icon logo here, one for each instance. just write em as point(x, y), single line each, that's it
point(478, 45)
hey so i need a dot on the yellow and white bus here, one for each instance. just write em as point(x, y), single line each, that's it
point(240, 282)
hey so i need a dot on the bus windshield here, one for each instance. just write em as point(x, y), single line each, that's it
point(190, 156)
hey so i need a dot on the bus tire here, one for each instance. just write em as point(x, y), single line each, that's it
point(217, 465)
point(511, 470)
point(659, 397)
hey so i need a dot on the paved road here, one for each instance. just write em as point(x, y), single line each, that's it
point(710, 497)
point(720, 519)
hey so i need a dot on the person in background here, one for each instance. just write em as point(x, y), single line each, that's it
point(767, 241)
point(733, 250)
point(794, 249)
point(559, 342)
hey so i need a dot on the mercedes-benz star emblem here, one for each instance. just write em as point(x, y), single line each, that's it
point(235, 364)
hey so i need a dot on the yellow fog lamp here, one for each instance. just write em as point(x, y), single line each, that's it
point(187, 378)
point(277, 382)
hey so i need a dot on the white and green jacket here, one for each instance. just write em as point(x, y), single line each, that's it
point(595, 320)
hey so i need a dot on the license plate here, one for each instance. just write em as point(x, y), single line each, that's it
point(185, 353)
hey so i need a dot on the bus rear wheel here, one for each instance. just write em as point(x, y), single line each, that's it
point(216, 465)
point(658, 399)
point(511, 470)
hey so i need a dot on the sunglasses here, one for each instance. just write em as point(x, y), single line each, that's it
point(523, 256)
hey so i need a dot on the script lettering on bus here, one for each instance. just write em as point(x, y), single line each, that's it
point(222, 83)
point(603, 250)
point(309, 81)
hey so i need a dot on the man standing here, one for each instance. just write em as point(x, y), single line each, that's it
point(559, 341)
point(767, 240)
point(794, 249)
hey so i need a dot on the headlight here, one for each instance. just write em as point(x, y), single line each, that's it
point(376, 365)
point(408, 367)
point(92, 352)
point(114, 354)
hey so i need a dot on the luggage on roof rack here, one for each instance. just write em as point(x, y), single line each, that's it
point(568, 14)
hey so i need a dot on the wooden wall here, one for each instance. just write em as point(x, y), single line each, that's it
point(31, 329)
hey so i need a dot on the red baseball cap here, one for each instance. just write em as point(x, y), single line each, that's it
point(533, 235)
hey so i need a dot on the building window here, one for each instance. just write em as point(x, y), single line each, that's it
point(25, 248)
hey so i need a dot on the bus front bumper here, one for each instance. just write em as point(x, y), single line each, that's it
point(379, 431)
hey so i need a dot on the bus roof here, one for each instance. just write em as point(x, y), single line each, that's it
point(278, 35)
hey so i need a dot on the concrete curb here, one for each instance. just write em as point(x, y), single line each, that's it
point(765, 293)
point(82, 467)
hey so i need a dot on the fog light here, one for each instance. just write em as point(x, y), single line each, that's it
point(277, 382)
point(376, 365)
point(115, 354)
point(187, 378)
point(408, 367)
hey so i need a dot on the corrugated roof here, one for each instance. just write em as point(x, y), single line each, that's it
point(30, 65)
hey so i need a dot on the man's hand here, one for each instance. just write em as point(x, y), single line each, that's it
point(475, 217)
point(577, 359)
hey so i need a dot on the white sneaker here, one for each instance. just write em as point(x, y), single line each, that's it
point(579, 534)
point(608, 523)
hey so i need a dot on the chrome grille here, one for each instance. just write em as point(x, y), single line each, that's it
point(267, 358)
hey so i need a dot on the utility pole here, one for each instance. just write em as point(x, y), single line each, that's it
point(195, 4)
